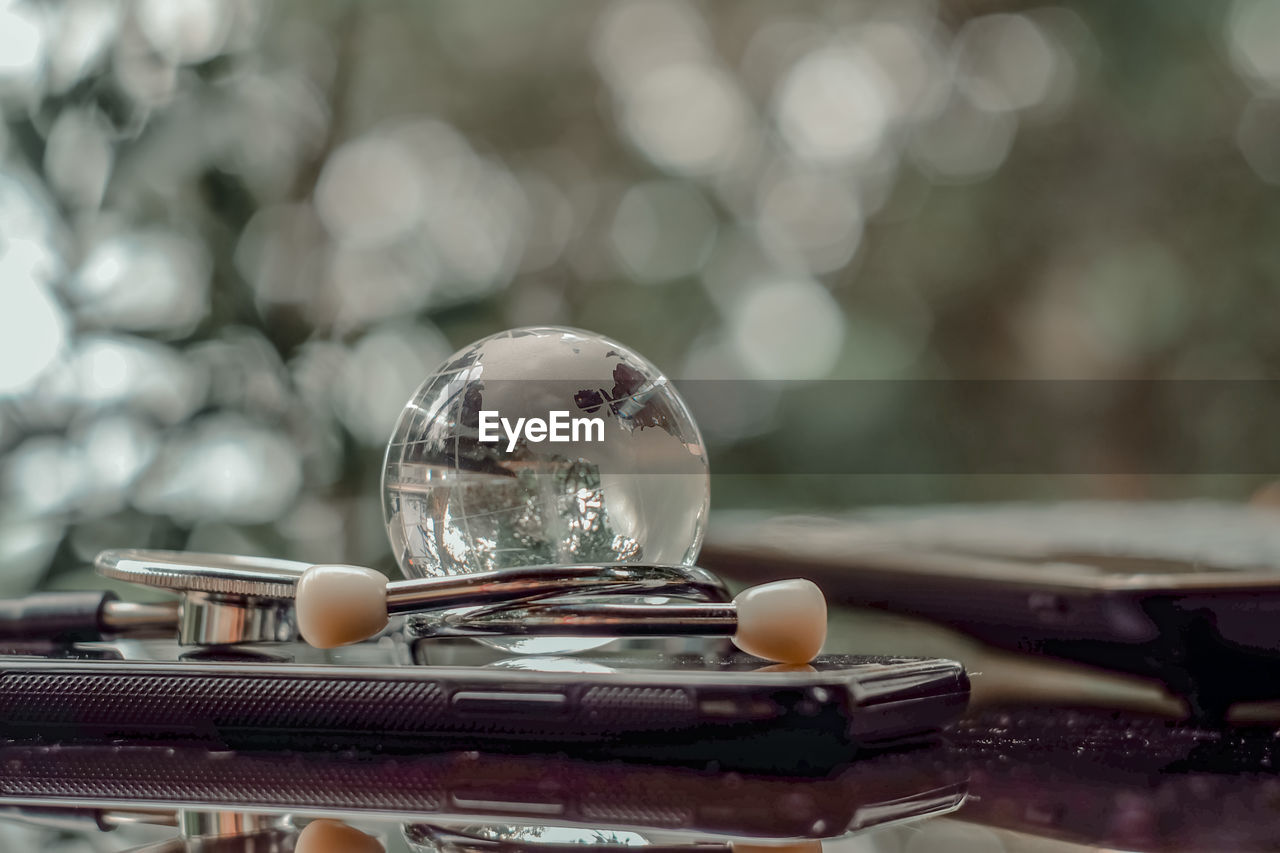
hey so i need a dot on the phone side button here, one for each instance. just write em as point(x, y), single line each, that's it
point(507, 702)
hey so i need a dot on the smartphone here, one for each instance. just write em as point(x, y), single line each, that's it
point(1187, 593)
point(689, 706)
point(428, 793)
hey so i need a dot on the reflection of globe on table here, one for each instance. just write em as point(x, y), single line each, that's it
point(544, 446)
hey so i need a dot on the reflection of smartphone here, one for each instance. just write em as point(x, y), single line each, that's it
point(1187, 593)
point(668, 703)
point(465, 789)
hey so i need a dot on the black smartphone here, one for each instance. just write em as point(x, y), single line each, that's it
point(1187, 593)
point(431, 793)
point(686, 706)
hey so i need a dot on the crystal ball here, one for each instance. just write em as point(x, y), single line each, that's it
point(544, 446)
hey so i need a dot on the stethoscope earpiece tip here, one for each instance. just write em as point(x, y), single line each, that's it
point(783, 621)
point(338, 605)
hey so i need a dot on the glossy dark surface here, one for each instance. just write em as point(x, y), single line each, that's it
point(1023, 780)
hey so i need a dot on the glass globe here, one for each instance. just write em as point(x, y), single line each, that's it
point(544, 446)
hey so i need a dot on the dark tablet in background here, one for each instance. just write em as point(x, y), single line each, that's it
point(1184, 594)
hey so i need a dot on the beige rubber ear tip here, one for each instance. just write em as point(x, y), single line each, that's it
point(337, 605)
point(783, 621)
point(334, 836)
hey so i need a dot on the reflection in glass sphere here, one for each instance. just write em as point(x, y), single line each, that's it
point(544, 446)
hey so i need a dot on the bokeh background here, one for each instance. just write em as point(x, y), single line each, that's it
point(234, 236)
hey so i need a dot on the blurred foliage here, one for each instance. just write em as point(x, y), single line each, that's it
point(234, 236)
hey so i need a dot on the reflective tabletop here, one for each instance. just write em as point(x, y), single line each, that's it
point(1031, 779)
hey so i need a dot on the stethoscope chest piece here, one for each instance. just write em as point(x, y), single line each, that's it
point(222, 599)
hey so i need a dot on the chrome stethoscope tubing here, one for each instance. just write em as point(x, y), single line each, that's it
point(229, 600)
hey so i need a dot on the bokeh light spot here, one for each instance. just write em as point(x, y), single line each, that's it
point(1258, 136)
point(222, 467)
point(663, 230)
point(22, 43)
point(185, 31)
point(78, 157)
point(143, 281)
point(810, 219)
point(33, 328)
point(964, 142)
point(370, 192)
point(1253, 39)
point(688, 118)
point(833, 106)
point(633, 37)
point(1005, 62)
point(381, 372)
point(789, 329)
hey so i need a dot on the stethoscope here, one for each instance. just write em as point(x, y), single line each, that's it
point(225, 600)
